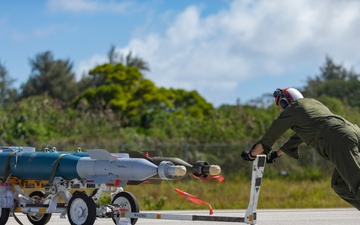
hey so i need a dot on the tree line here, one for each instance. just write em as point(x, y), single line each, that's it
point(115, 103)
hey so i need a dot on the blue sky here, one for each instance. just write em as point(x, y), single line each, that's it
point(224, 49)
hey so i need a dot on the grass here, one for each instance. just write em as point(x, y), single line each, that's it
point(233, 193)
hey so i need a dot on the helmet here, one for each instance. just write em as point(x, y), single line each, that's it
point(286, 96)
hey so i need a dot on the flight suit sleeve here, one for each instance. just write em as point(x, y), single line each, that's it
point(278, 127)
point(291, 146)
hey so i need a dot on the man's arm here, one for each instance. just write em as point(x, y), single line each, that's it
point(291, 146)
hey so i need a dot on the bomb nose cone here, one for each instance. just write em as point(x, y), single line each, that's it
point(214, 170)
point(167, 170)
point(180, 171)
point(203, 169)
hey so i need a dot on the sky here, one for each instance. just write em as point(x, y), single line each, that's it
point(226, 50)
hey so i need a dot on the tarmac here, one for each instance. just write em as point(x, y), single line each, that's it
point(331, 216)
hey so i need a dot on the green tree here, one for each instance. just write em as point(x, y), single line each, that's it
point(124, 89)
point(50, 76)
point(113, 56)
point(96, 78)
point(7, 93)
point(189, 103)
point(112, 85)
point(128, 60)
point(335, 81)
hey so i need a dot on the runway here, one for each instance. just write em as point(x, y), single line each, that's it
point(333, 216)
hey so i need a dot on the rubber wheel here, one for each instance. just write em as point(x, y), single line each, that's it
point(127, 202)
point(38, 218)
point(81, 209)
point(4, 215)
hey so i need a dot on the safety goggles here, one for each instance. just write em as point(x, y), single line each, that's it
point(278, 93)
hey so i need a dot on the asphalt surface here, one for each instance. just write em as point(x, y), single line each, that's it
point(341, 216)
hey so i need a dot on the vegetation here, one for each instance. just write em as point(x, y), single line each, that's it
point(233, 193)
point(115, 107)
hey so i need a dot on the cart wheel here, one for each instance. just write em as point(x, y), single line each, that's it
point(81, 209)
point(38, 218)
point(4, 215)
point(127, 202)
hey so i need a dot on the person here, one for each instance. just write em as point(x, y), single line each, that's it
point(333, 137)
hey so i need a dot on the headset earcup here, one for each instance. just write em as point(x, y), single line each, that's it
point(284, 103)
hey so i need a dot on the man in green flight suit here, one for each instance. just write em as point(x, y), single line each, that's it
point(332, 136)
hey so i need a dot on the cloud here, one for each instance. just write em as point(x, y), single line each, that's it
point(39, 32)
point(76, 6)
point(249, 40)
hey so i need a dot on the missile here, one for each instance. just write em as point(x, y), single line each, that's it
point(198, 169)
point(98, 167)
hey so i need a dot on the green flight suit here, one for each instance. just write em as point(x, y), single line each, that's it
point(333, 137)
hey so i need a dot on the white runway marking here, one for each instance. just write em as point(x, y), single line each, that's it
point(341, 216)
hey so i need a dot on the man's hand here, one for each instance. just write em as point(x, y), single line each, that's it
point(246, 156)
point(271, 157)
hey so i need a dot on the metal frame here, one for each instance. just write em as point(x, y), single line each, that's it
point(60, 188)
point(250, 215)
